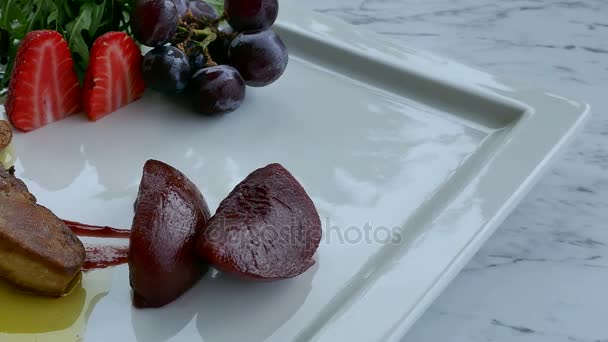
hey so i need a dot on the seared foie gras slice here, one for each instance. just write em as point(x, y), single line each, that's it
point(38, 252)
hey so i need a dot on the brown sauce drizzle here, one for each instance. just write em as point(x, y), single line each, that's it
point(101, 256)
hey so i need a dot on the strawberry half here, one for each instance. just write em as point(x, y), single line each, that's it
point(44, 86)
point(113, 78)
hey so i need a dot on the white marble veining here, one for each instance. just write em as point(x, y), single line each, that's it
point(543, 275)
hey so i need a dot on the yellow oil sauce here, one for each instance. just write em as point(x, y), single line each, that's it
point(7, 156)
point(26, 318)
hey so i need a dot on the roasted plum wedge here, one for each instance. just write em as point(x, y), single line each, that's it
point(266, 229)
point(170, 212)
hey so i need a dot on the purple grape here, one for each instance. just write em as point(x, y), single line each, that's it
point(217, 90)
point(166, 69)
point(154, 22)
point(259, 56)
point(202, 10)
point(251, 14)
point(182, 7)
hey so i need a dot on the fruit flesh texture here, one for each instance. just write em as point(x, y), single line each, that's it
point(170, 212)
point(166, 69)
point(44, 86)
point(38, 252)
point(154, 22)
point(217, 90)
point(251, 14)
point(114, 76)
point(259, 56)
point(266, 229)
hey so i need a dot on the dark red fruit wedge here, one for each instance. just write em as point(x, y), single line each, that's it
point(169, 214)
point(44, 87)
point(266, 229)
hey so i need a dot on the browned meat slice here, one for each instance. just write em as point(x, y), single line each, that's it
point(6, 134)
point(38, 252)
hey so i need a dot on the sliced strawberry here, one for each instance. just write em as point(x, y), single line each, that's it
point(113, 78)
point(44, 86)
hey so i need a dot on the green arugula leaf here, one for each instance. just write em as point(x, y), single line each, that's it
point(53, 17)
point(79, 21)
point(11, 12)
point(35, 18)
point(89, 19)
point(13, 19)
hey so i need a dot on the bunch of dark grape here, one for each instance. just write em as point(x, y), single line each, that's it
point(195, 53)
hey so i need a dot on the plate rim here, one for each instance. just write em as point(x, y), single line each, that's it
point(539, 110)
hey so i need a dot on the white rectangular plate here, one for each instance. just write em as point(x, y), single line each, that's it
point(391, 144)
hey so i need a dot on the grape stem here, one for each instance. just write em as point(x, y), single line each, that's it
point(210, 36)
point(221, 18)
point(190, 31)
point(210, 62)
point(208, 33)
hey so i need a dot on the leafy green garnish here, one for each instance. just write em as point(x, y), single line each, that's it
point(87, 22)
point(80, 22)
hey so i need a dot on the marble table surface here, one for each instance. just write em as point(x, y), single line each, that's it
point(543, 276)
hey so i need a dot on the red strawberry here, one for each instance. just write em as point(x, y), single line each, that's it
point(113, 78)
point(44, 86)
